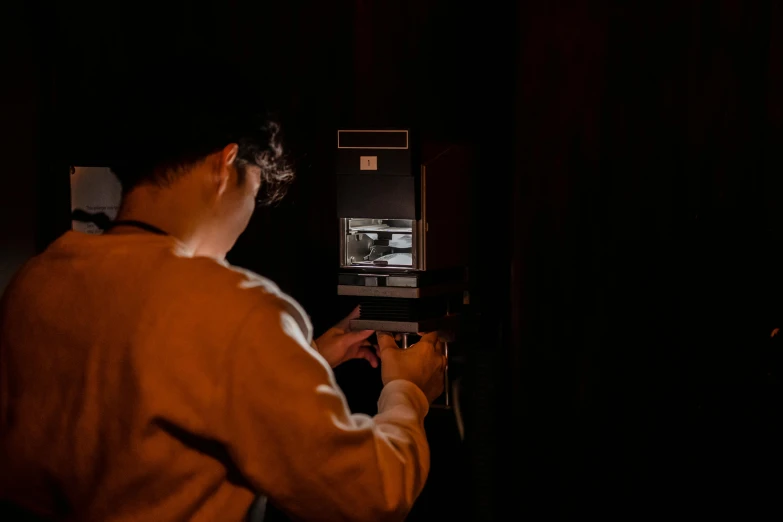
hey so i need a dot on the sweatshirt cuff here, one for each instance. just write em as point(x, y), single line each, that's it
point(399, 392)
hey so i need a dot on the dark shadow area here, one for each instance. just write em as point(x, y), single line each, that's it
point(646, 266)
point(627, 246)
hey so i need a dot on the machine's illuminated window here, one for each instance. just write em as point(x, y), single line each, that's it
point(379, 242)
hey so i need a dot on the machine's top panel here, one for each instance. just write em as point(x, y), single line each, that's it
point(373, 139)
point(375, 153)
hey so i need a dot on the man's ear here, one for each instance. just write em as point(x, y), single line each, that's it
point(226, 158)
point(229, 154)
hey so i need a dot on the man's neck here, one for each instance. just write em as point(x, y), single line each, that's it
point(162, 209)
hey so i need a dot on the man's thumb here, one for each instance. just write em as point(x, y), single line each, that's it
point(429, 337)
point(352, 338)
point(385, 341)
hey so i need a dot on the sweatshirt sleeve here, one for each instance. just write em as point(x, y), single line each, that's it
point(288, 428)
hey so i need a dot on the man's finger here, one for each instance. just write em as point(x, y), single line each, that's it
point(361, 345)
point(352, 338)
point(429, 337)
point(369, 355)
point(432, 339)
point(385, 341)
point(346, 322)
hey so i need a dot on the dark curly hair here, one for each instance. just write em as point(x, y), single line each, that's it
point(173, 116)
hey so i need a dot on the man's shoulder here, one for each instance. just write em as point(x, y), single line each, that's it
point(204, 275)
point(238, 289)
point(163, 278)
point(25, 276)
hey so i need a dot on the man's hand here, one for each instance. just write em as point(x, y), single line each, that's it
point(424, 363)
point(339, 344)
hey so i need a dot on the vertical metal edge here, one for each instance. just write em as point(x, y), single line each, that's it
point(343, 223)
point(446, 383)
point(421, 225)
point(416, 234)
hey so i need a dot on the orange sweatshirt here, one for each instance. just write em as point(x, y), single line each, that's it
point(137, 383)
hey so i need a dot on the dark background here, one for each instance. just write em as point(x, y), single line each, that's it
point(627, 245)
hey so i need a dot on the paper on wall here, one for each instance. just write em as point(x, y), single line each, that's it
point(95, 198)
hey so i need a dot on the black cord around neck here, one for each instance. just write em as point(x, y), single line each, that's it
point(137, 224)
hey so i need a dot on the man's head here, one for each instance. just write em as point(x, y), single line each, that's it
point(197, 154)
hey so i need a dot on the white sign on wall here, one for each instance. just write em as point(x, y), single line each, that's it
point(95, 198)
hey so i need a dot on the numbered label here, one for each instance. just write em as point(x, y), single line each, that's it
point(368, 163)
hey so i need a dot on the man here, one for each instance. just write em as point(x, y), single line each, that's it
point(144, 378)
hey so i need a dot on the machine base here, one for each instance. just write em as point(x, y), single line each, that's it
point(446, 325)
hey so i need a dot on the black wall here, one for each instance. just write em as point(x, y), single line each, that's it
point(647, 232)
point(19, 109)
